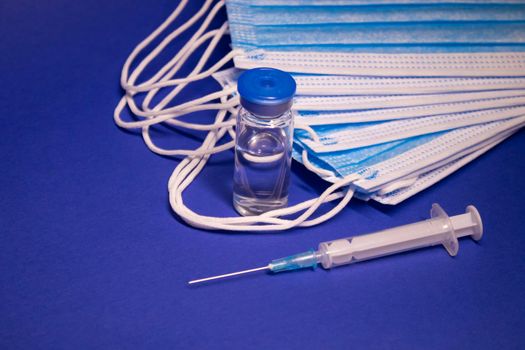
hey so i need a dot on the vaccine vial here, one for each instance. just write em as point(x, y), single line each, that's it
point(263, 143)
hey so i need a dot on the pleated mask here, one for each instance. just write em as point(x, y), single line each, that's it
point(393, 95)
point(334, 130)
point(336, 144)
point(378, 166)
point(405, 38)
point(402, 189)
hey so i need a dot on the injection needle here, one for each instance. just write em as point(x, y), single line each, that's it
point(267, 267)
point(439, 229)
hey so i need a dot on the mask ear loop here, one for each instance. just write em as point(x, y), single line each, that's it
point(126, 82)
point(193, 164)
point(173, 67)
point(272, 223)
point(158, 115)
point(398, 185)
point(304, 155)
point(311, 132)
point(190, 167)
point(216, 35)
point(321, 172)
point(164, 117)
point(178, 152)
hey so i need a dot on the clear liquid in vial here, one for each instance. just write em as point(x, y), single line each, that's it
point(262, 169)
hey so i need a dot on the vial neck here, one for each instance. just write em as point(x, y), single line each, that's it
point(281, 120)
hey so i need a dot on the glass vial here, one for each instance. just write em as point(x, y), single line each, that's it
point(263, 144)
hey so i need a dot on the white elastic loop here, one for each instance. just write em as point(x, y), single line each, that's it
point(202, 127)
point(125, 82)
point(161, 118)
point(188, 79)
point(125, 69)
point(271, 222)
point(180, 108)
point(189, 168)
point(311, 132)
point(178, 152)
point(216, 35)
point(308, 165)
point(159, 115)
point(397, 185)
point(171, 68)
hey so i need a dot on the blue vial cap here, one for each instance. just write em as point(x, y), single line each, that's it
point(266, 92)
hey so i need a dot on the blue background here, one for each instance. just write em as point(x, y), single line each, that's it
point(92, 257)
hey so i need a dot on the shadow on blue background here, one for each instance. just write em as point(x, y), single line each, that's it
point(92, 257)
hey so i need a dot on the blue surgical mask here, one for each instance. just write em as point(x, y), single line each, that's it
point(337, 85)
point(383, 38)
point(338, 137)
point(276, 13)
point(393, 95)
point(363, 142)
point(320, 117)
point(379, 165)
point(393, 26)
point(444, 97)
point(402, 189)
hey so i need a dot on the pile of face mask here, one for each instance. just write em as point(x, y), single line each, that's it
point(392, 96)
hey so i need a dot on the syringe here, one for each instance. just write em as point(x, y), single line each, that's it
point(439, 229)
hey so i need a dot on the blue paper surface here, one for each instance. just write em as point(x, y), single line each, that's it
point(91, 256)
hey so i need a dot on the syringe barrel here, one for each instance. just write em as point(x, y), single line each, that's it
point(398, 239)
point(440, 229)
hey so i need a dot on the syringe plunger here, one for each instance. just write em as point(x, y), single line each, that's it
point(439, 229)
